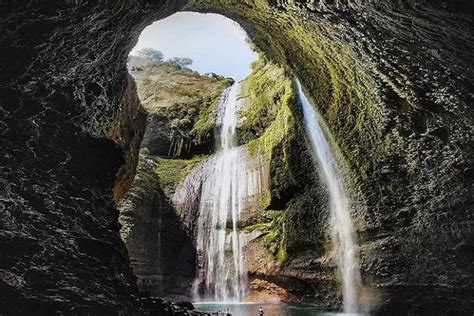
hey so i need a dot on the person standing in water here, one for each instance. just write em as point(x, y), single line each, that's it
point(260, 311)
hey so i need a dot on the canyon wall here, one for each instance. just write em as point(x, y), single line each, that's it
point(393, 80)
point(394, 85)
point(181, 111)
point(284, 222)
point(70, 128)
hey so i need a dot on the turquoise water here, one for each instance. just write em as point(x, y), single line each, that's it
point(251, 309)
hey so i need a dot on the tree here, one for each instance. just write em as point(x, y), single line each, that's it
point(181, 62)
point(151, 54)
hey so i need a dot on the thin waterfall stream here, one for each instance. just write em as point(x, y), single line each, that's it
point(342, 231)
point(223, 186)
point(221, 207)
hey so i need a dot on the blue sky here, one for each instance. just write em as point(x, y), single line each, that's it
point(214, 42)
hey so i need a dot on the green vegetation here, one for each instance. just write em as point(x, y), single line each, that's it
point(185, 101)
point(172, 171)
point(272, 226)
point(269, 96)
point(267, 126)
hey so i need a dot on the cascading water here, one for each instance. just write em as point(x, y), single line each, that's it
point(341, 223)
point(223, 185)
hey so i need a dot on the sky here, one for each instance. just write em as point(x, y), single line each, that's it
point(214, 42)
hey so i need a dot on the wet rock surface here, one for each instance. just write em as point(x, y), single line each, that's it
point(155, 306)
point(69, 124)
point(161, 253)
point(181, 107)
point(392, 79)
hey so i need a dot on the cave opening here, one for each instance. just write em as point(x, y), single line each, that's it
point(214, 182)
point(386, 77)
point(343, 87)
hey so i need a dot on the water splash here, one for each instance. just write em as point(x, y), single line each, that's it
point(341, 223)
point(224, 186)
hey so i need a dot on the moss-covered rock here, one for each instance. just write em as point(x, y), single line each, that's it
point(181, 106)
point(269, 124)
point(171, 172)
point(290, 224)
point(263, 91)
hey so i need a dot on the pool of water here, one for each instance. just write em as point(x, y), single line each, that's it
point(251, 309)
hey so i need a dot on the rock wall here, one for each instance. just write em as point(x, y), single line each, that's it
point(181, 109)
point(162, 255)
point(66, 108)
point(393, 79)
point(395, 89)
point(288, 248)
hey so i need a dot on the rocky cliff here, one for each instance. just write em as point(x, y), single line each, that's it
point(385, 79)
point(181, 112)
point(181, 106)
point(393, 80)
point(70, 125)
point(289, 227)
point(161, 254)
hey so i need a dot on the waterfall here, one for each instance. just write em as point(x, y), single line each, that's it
point(224, 186)
point(341, 223)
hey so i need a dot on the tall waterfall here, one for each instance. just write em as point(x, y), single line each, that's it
point(341, 223)
point(223, 185)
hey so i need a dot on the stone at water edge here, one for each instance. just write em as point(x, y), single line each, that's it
point(266, 291)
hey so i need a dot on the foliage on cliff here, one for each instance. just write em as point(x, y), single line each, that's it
point(268, 127)
point(266, 91)
point(181, 104)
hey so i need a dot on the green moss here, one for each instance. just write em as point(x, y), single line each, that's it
point(262, 91)
point(268, 93)
point(282, 255)
point(272, 226)
point(270, 237)
point(171, 172)
point(258, 226)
